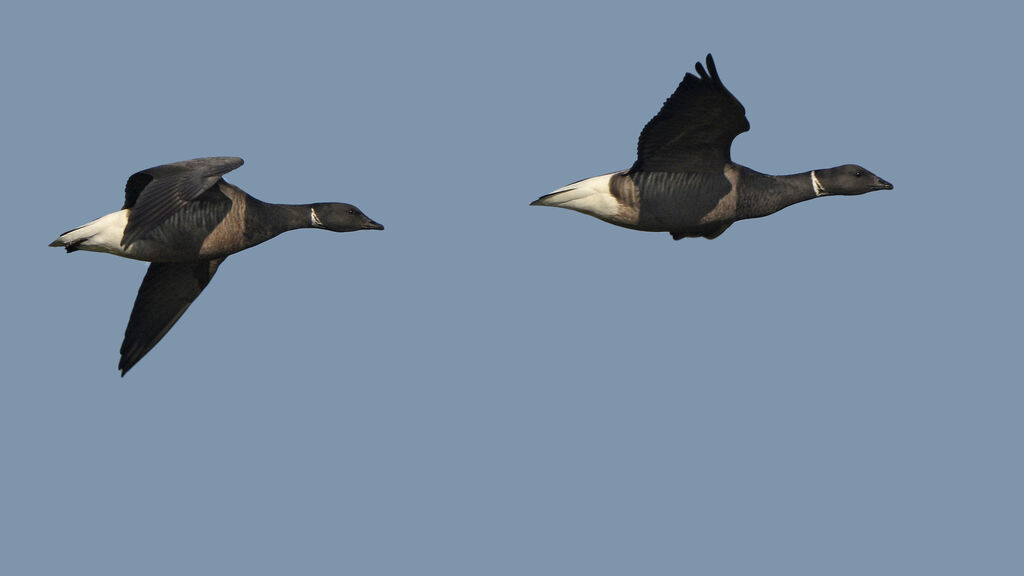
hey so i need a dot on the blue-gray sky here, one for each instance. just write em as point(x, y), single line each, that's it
point(491, 388)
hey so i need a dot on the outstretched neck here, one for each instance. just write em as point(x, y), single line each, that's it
point(768, 194)
point(273, 219)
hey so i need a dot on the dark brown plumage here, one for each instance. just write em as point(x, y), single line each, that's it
point(185, 220)
point(684, 180)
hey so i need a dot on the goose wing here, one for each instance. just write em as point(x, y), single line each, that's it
point(166, 292)
point(158, 192)
point(695, 127)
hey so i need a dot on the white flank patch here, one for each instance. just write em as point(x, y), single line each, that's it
point(314, 219)
point(819, 190)
point(592, 196)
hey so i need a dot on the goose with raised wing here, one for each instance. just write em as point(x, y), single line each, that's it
point(684, 181)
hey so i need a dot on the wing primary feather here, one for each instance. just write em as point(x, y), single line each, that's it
point(701, 71)
point(713, 71)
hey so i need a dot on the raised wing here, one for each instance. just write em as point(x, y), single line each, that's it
point(156, 193)
point(165, 294)
point(695, 127)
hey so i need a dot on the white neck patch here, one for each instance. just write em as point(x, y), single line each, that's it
point(314, 219)
point(819, 190)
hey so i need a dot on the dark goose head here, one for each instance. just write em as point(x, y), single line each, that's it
point(341, 217)
point(846, 180)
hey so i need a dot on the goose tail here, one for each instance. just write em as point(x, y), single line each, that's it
point(591, 196)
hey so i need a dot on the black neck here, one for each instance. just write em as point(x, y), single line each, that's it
point(268, 220)
point(773, 193)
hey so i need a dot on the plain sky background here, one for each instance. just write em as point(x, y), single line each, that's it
point(491, 388)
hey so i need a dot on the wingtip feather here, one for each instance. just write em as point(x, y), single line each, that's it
point(700, 70)
point(711, 66)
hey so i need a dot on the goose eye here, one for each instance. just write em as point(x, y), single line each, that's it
point(858, 173)
point(351, 211)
